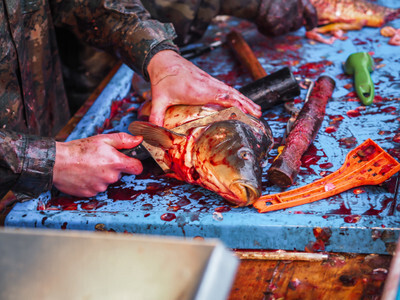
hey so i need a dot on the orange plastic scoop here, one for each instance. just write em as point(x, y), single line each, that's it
point(367, 164)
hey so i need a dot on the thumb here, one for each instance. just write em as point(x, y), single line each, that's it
point(157, 114)
point(123, 140)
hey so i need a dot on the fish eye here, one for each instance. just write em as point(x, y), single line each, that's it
point(245, 154)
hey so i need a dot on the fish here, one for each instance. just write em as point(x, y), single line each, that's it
point(225, 155)
point(336, 16)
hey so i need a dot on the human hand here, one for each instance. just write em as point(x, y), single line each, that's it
point(86, 167)
point(175, 80)
point(277, 17)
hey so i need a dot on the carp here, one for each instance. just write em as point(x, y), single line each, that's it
point(336, 16)
point(225, 155)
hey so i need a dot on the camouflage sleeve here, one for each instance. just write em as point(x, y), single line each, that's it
point(273, 17)
point(26, 163)
point(245, 9)
point(123, 28)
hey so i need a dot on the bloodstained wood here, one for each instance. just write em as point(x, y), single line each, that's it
point(341, 276)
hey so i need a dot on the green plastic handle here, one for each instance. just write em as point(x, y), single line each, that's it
point(360, 65)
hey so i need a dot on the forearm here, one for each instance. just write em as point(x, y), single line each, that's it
point(26, 163)
point(126, 31)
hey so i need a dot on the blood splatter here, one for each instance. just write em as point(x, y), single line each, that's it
point(168, 217)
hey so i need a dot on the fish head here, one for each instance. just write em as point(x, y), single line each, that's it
point(228, 158)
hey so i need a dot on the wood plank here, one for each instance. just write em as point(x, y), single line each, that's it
point(341, 276)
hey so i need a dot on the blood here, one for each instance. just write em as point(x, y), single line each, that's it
point(323, 234)
point(313, 69)
point(359, 42)
point(358, 191)
point(330, 129)
point(60, 203)
point(168, 217)
point(367, 152)
point(343, 210)
point(196, 195)
point(324, 173)
point(229, 78)
point(386, 168)
point(376, 212)
point(335, 120)
point(351, 95)
point(147, 206)
point(396, 138)
point(309, 158)
point(388, 109)
point(352, 219)
point(326, 165)
point(222, 209)
point(173, 208)
point(183, 201)
point(348, 86)
point(394, 152)
point(353, 113)
point(318, 245)
point(348, 142)
point(118, 194)
point(118, 109)
point(117, 191)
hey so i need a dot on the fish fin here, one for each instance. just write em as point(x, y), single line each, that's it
point(156, 136)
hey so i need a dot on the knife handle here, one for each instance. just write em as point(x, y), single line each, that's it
point(273, 89)
point(139, 152)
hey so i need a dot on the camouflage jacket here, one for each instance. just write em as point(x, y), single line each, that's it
point(33, 105)
point(32, 95)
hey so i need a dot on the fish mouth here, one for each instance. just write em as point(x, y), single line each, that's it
point(246, 192)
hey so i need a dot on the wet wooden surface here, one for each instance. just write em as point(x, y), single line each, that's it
point(341, 276)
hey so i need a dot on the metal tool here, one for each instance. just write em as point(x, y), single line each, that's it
point(367, 164)
point(360, 65)
point(195, 51)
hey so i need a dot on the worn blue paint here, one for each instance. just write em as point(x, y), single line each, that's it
point(148, 198)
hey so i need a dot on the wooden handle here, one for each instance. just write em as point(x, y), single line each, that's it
point(285, 168)
point(245, 55)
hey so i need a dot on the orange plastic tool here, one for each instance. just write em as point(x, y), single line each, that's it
point(367, 164)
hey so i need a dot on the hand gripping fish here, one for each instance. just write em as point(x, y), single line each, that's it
point(336, 16)
point(223, 150)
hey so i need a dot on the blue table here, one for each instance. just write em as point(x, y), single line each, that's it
point(362, 220)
